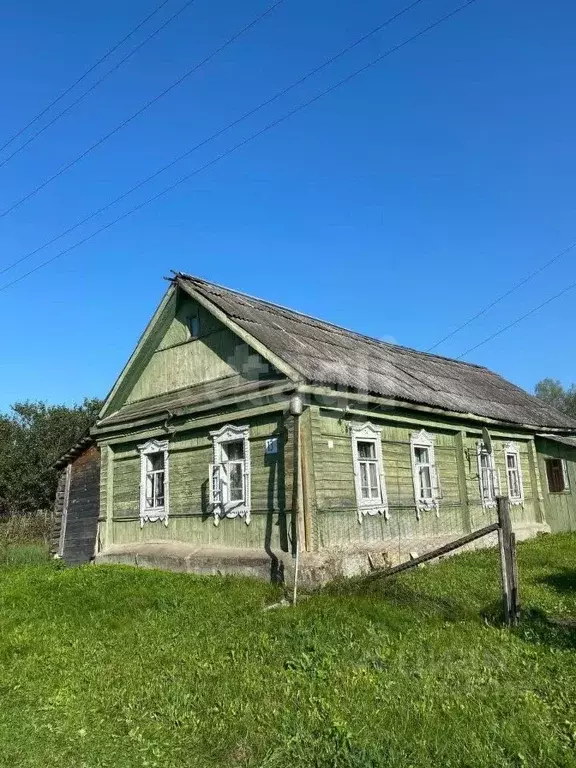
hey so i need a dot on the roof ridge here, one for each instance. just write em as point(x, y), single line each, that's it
point(444, 358)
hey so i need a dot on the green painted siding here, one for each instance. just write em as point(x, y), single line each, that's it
point(190, 519)
point(334, 512)
point(560, 507)
point(171, 360)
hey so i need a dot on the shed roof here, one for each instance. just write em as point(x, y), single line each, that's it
point(323, 353)
point(562, 440)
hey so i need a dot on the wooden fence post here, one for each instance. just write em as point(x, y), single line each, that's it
point(507, 546)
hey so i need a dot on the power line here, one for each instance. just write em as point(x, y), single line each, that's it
point(503, 296)
point(242, 143)
point(146, 106)
point(518, 320)
point(82, 77)
point(215, 135)
point(97, 83)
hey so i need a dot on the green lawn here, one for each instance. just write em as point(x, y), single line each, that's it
point(119, 667)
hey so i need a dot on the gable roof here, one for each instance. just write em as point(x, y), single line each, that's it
point(326, 354)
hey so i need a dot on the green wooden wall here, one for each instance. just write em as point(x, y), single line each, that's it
point(170, 359)
point(179, 361)
point(334, 510)
point(190, 519)
point(560, 507)
point(328, 486)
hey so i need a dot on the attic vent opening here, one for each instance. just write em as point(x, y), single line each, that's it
point(193, 322)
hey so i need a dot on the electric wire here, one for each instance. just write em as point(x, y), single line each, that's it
point(97, 83)
point(518, 320)
point(503, 296)
point(213, 136)
point(82, 77)
point(142, 109)
point(244, 142)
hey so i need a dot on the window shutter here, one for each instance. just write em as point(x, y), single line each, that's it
point(247, 492)
point(214, 485)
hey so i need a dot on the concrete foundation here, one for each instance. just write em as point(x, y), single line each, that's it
point(316, 568)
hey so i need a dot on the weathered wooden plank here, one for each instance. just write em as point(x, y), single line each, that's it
point(83, 508)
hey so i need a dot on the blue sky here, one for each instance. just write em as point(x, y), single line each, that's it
point(398, 205)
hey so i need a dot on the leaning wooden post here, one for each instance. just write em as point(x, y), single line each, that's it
point(506, 542)
point(515, 595)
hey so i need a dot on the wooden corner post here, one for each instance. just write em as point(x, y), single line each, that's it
point(507, 546)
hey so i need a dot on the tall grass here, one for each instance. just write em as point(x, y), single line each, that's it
point(24, 539)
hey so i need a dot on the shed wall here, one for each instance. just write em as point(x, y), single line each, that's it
point(83, 503)
point(560, 507)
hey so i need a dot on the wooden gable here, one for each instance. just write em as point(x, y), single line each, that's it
point(184, 345)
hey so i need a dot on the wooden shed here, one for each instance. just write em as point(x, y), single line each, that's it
point(75, 520)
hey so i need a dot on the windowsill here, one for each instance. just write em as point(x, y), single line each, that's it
point(565, 492)
point(153, 511)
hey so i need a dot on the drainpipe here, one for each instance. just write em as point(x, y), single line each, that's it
point(296, 413)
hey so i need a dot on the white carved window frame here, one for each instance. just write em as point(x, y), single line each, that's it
point(488, 501)
point(378, 506)
point(423, 439)
point(153, 514)
point(221, 507)
point(511, 449)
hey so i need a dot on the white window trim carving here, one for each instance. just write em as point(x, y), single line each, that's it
point(424, 440)
point(480, 450)
point(512, 449)
point(220, 508)
point(368, 432)
point(154, 514)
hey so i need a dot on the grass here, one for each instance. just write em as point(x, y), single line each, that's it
point(113, 667)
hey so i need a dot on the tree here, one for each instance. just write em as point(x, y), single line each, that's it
point(553, 393)
point(32, 437)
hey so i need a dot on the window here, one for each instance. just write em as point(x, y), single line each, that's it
point(557, 474)
point(229, 481)
point(487, 476)
point(233, 463)
point(154, 481)
point(424, 472)
point(194, 326)
point(514, 474)
point(368, 471)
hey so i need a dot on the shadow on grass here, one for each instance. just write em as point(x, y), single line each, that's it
point(396, 592)
point(563, 581)
point(536, 626)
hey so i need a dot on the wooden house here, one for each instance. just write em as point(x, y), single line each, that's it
point(240, 432)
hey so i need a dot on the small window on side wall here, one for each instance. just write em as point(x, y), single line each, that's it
point(229, 473)
point(557, 474)
point(424, 472)
point(488, 477)
point(514, 474)
point(369, 479)
point(154, 481)
point(193, 326)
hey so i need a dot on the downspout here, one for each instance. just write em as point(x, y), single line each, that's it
point(296, 413)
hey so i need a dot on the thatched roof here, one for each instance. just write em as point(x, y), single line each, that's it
point(329, 355)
